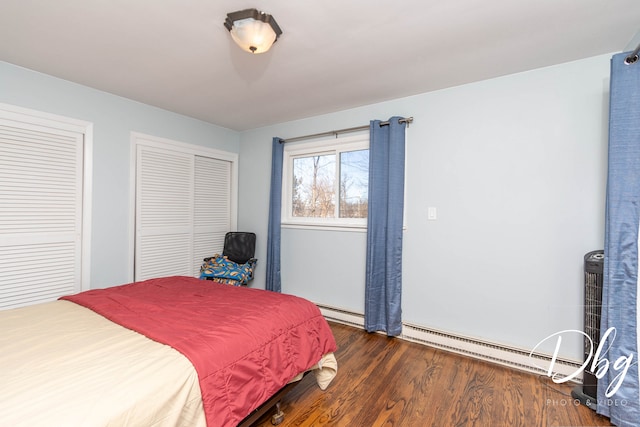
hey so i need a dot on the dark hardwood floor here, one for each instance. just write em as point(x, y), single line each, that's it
point(390, 382)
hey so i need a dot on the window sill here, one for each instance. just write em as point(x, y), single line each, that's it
point(326, 227)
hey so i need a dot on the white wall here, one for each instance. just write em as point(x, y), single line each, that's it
point(516, 167)
point(114, 118)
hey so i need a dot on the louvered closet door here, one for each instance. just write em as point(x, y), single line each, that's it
point(183, 210)
point(164, 213)
point(40, 213)
point(212, 213)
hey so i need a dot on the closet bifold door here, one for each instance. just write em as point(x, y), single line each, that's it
point(212, 207)
point(183, 211)
point(164, 213)
point(41, 178)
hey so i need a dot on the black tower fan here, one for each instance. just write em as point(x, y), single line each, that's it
point(587, 393)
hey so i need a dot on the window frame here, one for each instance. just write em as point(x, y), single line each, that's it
point(327, 145)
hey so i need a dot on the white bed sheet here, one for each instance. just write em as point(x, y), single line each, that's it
point(64, 365)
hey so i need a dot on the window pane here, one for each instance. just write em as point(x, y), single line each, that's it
point(313, 186)
point(354, 183)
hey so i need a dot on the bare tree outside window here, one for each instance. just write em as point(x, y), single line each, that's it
point(313, 186)
point(354, 184)
point(317, 179)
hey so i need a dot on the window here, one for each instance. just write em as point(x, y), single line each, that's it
point(325, 183)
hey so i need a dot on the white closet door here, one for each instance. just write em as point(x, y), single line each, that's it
point(164, 213)
point(183, 210)
point(41, 176)
point(212, 214)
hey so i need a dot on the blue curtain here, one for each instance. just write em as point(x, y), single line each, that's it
point(273, 280)
point(619, 299)
point(383, 287)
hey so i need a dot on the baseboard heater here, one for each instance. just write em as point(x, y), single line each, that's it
point(496, 353)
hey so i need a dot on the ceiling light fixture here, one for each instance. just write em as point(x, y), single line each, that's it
point(252, 30)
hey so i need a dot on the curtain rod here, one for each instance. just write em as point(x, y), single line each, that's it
point(633, 56)
point(347, 130)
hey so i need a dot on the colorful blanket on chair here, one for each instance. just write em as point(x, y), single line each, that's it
point(226, 271)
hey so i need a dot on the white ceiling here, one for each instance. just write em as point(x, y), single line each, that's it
point(333, 54)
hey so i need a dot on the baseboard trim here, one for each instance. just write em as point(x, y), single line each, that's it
point(512, 357)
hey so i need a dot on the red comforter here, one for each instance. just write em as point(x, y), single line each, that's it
point(244, 343)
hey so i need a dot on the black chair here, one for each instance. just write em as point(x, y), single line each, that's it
point(236, 264)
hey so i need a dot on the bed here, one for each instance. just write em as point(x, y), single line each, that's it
point(173, 351)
